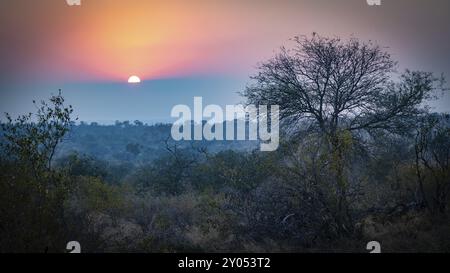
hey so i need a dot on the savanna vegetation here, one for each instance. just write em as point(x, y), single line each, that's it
point(361, 158)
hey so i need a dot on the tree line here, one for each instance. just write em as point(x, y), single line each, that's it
point(361, 158)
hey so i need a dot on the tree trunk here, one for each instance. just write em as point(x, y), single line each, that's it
point(343, 217)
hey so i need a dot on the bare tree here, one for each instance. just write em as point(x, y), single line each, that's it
point(340, 89)
point(432, 154)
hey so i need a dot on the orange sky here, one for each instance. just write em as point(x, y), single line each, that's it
point(111, 39)
point(89, 50)
point(108, 40)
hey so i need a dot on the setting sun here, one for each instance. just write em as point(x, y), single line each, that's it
point(134, 79)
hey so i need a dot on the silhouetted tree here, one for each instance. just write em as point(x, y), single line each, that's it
point(341, 90)
point(33, 194)
point(34, 139)
point(432, 150)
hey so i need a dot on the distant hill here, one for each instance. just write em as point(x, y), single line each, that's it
point(134, 142)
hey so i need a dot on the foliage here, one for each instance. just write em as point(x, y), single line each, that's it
point(360, 159)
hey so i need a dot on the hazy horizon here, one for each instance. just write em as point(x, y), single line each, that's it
point(181, 50)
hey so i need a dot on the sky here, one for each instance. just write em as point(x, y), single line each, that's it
point(181, 49)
